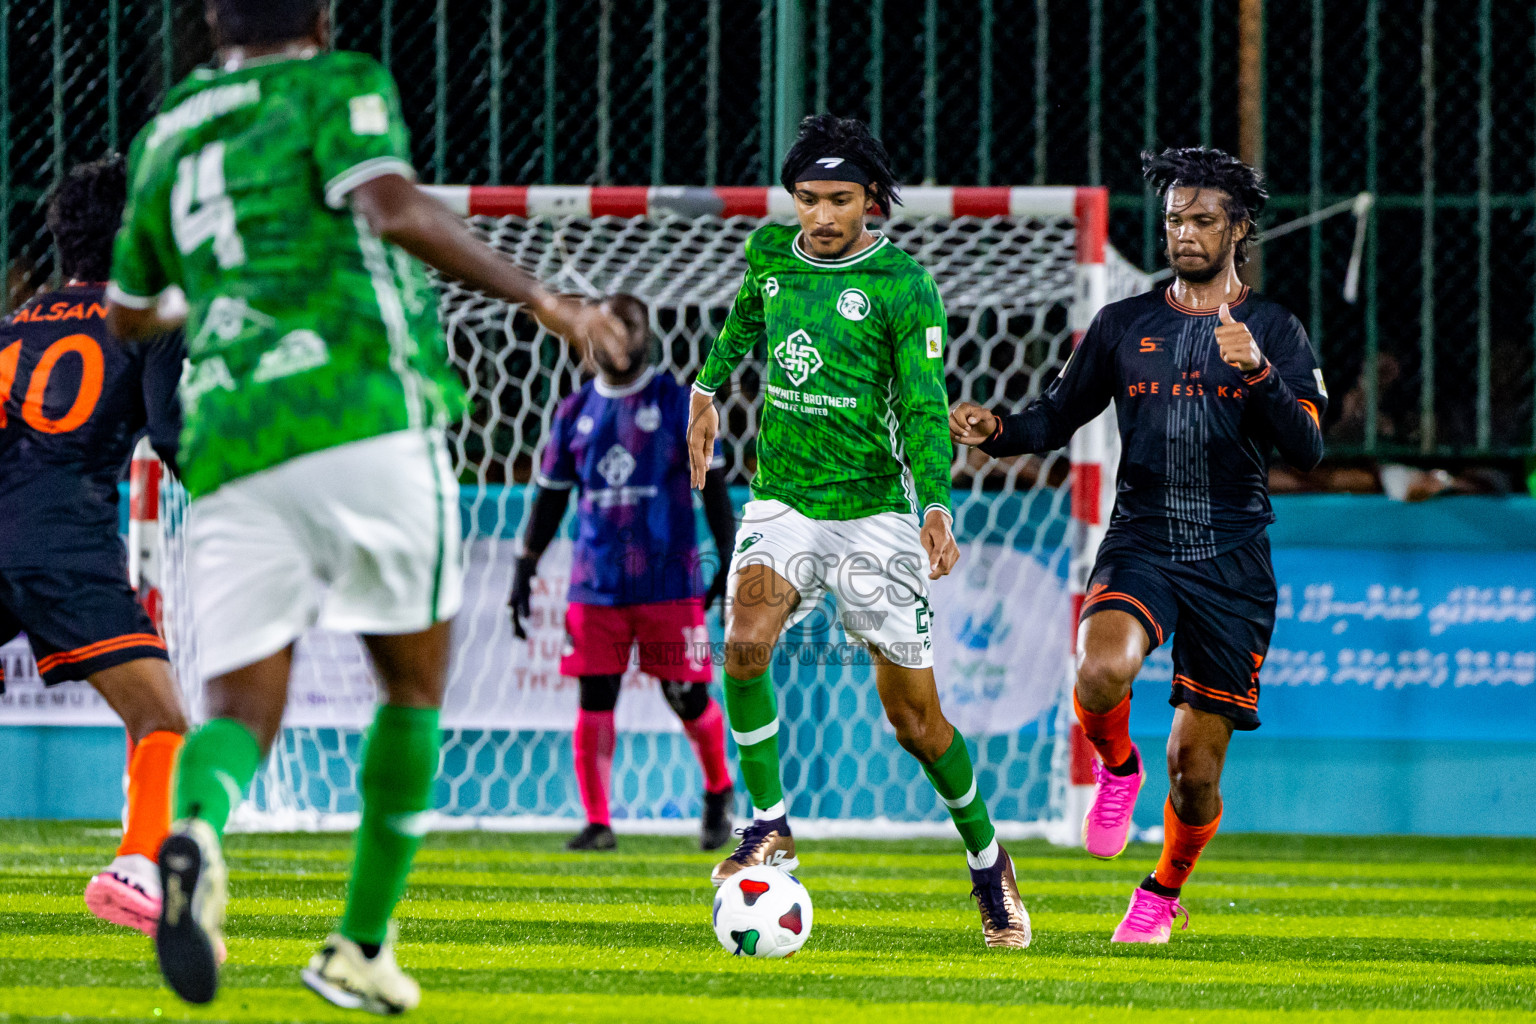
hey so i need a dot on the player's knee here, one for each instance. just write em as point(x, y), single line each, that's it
point(747, 656)
point(919, 731)
point(687, 700)
point(1104, 678)
point(599, 693)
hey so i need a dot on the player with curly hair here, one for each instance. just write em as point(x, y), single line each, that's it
point(1207, 379)
point(73, 401)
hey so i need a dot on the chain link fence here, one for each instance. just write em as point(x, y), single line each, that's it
point(1430, 106)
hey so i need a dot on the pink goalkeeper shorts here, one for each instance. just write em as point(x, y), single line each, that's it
point(674, 642)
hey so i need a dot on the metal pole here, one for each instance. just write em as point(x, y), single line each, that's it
point(57, 77)
point(495, 111)
point(167, 49)
point(659, 93)
point(1042, 67)
point(876, 72)
point(1250, 104)
point(931, 92)
point(1095, 87)
point(765, 93)
point(604, 84)
point(1484, 224)
point(984, 100)
point(789, 79)
point(1427, 236)
point(550, 39)
point(1207, 68)
point(1315, 183)
point(440, 95)
point(114, 89)
point(1149, 220)
point(387, 35)
point(712, 98)
point(823, 55)
point(1372, 143)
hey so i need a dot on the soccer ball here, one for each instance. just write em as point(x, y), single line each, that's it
point(763, 912)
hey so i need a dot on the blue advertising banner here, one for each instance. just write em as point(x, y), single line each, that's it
point(1392, 645)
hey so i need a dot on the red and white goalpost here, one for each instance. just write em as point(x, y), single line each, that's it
point(1022, 271)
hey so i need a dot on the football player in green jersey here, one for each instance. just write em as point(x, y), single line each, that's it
point(852, 453)
point(275, 189)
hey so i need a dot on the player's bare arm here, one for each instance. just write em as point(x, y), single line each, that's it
point(703, 426)
point(970, 424)
point(939, 543)
point(402, 214)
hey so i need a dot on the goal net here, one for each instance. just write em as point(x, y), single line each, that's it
point(1022, 270)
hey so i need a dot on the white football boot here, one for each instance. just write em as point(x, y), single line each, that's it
point(341, 975)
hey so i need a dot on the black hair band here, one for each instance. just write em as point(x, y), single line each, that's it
point(833, 168)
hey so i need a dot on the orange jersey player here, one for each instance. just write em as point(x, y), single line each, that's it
point(73, 401)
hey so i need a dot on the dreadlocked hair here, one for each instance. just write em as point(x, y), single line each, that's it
point(84, 212)
point(259, 22)
point(822, 135)
point(1199, 167)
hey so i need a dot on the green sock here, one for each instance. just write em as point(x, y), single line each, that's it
point(216, 767)
point(955, 781)
point(399, 762)
point(754, 716)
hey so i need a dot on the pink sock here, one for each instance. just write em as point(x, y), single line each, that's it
point(594, 762)
point(707, 734)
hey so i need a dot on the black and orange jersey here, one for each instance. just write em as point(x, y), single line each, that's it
point(73, 402)
point(1195, 433)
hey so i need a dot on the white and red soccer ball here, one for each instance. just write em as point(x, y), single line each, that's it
point(764, 912)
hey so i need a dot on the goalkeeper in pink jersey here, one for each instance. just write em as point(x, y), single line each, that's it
point(636, 575)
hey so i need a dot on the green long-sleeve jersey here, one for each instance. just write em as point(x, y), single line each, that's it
point(855, 415)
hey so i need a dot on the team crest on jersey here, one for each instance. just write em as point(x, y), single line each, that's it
point(797, 354)
point(853, 304)
point(770, 286)
point(648, 418)
point(616, 466)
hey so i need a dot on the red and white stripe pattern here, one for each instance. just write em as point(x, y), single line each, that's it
point(145, 474)
point(1094, 450)
point(1046, 202)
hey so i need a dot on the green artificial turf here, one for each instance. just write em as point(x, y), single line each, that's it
point(507, 927)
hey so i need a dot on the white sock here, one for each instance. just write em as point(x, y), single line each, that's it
point(776, 811)
point(985, 859)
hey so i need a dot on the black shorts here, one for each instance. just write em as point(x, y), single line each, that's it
point(77, 622)
point(1220, 612)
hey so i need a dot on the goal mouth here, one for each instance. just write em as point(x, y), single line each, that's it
point(1021, 270)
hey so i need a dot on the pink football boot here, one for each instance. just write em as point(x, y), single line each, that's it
point(127, 893)
point(1107, 826)
point(1149, 918)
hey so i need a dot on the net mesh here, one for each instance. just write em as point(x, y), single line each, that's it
point(1002, 619)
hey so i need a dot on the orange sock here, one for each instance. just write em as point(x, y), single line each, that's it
point(149, 793)
point(1110, 732)
point(1181, 847)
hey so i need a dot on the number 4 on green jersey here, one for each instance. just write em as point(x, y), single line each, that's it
point(305, 331)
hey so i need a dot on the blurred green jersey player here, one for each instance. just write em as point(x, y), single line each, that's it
point(851, 494)
point(275, 189)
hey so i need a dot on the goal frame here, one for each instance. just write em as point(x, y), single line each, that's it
point(1091, 452)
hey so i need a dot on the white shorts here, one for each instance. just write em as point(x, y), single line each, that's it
point(360, 538)
point(874, 566)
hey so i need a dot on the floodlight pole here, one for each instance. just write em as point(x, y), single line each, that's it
point(1250, 105)
point(789, 79)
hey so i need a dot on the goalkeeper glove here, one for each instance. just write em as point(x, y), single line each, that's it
point(522, 593)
